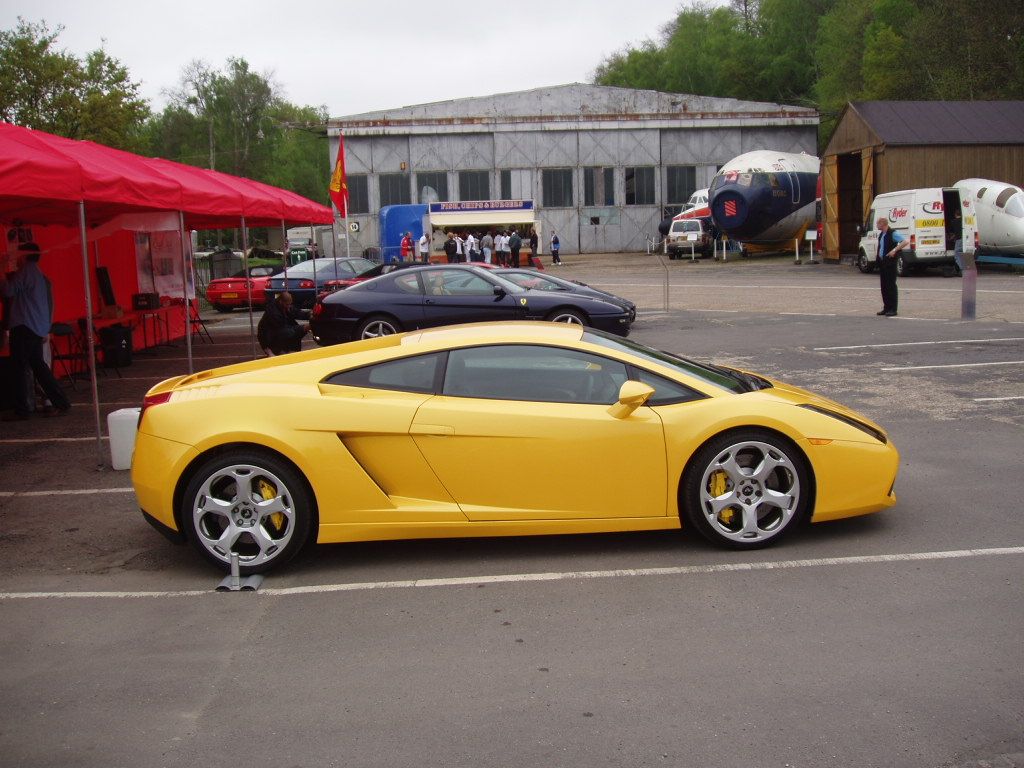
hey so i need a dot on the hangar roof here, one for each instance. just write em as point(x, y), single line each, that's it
point(577, 103)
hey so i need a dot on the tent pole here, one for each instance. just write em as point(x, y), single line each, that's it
point(334, 238)
point(184, 291)
point(89, 335)
point(348, 230)
point(284, 252)
point(245, 268)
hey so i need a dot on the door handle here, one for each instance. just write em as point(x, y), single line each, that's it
point(432, 429)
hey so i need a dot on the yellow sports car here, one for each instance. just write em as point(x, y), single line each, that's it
point(494, 429)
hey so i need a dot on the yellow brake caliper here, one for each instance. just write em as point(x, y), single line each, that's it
point(717, 486)
point(268, 492)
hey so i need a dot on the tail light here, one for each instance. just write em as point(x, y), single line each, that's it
point(151, 400)
point(913, 242)
point(307, 284)
point(977, 242)
point(318, 310)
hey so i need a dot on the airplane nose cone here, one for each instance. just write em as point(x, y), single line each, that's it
point(730, 210)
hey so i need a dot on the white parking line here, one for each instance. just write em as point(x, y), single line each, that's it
point(918, 343)
point(997, 399)
point(953, 365)
point(685, 570)
point(21, 440)
point(75, 492)
point(810, 314)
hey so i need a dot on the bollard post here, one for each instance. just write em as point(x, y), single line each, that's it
point(968, 287)
point(796, 250)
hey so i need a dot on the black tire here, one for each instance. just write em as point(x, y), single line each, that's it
point(263, 539)
point(902, 269)
point(567, 315)
point(745, 446)
point(377, 325)
point(222, 308)
point(865, 266)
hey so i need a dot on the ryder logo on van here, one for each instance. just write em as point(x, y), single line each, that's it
point(933, 206)
point(898, 213)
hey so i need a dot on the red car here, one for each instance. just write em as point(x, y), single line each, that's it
point(228, 293)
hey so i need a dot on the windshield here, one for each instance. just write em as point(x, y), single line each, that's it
point(345, 268)
point(723, 378)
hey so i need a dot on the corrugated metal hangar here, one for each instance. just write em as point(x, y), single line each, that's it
point(602, 165)
point(882, 146)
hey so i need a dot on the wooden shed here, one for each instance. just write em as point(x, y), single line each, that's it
point(881, 146)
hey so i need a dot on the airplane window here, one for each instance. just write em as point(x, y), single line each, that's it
point(981, 192)
point(1015, 206)
point(1005, 195)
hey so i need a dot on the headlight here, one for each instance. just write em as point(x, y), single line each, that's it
point(865, 428)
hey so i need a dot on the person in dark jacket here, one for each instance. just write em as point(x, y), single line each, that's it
point(514, 244)
point(450, 248)
point(534, 245)
point(279, 331)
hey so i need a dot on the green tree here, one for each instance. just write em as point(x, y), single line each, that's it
point(51, 90)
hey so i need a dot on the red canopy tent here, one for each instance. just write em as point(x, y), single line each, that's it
point(47, 180)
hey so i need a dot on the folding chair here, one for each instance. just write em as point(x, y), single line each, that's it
point(69, 353)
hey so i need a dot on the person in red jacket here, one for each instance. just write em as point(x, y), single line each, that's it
point(407, 247)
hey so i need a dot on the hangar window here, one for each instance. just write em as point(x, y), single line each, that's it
point(410, 374)
point(540, 374)
point(598, 186)
point(556, 186)
point(640, 186)
point(432, 187)
point(680, 183)
point(394, 189)
point(358, 193)
point(474, 185)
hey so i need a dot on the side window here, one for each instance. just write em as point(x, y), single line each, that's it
point(457, 282)
point(666, 391)
point(409, 374)
point(535, 373)
point(408, 283)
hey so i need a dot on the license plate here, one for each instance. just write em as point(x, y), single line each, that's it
point(229, 295)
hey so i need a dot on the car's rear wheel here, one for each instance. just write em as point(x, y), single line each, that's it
point(570, 316)
point(378, 325)
point(745, 488)
point(248, 503)
point(863, 264)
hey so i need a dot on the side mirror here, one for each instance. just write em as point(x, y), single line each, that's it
point(632, 394)
point(499, 291)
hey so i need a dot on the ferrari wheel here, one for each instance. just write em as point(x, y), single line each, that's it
point(249, 504)
point(744, 489)
point(566, 316)
point(377, 325)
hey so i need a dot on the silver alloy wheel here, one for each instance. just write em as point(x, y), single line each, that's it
point(376, 328)
point(567, 317)
point(243, 509)
point(749, 492)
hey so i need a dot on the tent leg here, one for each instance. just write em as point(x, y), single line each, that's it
point(89, 336)
point(184, 291)
point(248, 288)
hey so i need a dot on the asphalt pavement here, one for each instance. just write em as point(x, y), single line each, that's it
point(888, 640)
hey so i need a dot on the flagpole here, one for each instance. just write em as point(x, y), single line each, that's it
point(348, 232)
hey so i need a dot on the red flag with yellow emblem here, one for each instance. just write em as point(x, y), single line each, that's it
point(339, 186)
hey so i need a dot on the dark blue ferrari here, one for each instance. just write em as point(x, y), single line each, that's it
point(429, 296)
point(307, 279)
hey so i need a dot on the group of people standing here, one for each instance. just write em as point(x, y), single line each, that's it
point(502, 247)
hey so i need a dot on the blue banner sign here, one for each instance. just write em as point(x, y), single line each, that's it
point(482, 205)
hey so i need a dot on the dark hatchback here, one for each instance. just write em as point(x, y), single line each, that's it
point(307, 279)
point(537, 281)
point(430, 296)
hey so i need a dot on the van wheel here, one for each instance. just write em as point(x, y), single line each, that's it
point(865, 266)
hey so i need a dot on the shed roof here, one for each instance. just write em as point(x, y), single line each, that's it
point(944, 122)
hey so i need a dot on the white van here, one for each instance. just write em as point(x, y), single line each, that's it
point(933, 219)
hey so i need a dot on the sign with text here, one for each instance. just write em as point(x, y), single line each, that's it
point(482, 205)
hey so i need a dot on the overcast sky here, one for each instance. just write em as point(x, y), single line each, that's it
point(357, 55)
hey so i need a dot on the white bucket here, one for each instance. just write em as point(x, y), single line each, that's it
point(121, 425)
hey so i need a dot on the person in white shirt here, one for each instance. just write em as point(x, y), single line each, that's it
point(471, 252)
point(459, 242)
point(424, 244)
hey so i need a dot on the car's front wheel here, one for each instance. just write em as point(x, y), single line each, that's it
point(248, 503)
point(863, 264)
point(570, 316)
point(745, 488)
